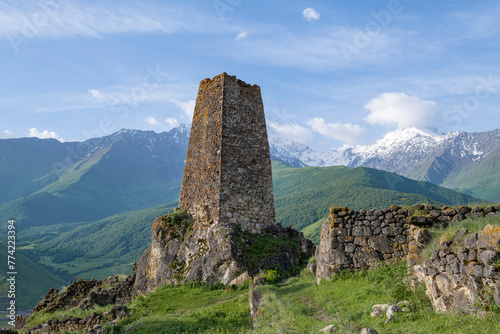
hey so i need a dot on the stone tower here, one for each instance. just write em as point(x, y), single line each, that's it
point(227, 191)
point(227, 175)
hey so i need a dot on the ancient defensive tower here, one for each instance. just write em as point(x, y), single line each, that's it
point(227, 191)
point(227, 175)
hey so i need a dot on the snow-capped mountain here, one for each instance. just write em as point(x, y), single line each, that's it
point(419, 154)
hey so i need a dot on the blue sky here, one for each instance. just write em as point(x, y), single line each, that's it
point(332, 73)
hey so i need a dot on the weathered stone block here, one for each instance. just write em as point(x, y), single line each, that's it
point(488, 256)
point(382, 244)
point(464, 299)
point(470, 241)
point(400, 239)
point(489, 238)
point(477, 270)
point(472, 255)
point(490, 272)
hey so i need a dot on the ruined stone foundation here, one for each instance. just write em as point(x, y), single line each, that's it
point(224, 230)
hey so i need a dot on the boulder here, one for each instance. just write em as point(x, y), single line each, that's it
point(368, 331)
point(328, 329)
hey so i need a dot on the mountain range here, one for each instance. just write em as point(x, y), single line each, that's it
point(125, 171)
point(132, 169)
point(84, 209)
point(467, 162)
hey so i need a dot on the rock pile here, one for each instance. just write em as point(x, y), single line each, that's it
point(84, 294)
point(463, 274)
point(91, 324)
point(389, 310)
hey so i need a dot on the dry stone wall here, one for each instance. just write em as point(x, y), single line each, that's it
point(363, 239)
point(463, 274)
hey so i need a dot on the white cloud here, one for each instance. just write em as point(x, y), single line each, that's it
point(45, 134)
point(241, 35)
point(172, 121)
point(347, 133)
point(96, 94)
point(310, 14)
point(290, 131)
point(401, 110)
point(6, 134)
point(186, 106)
point(22, 20)
point(152, 121)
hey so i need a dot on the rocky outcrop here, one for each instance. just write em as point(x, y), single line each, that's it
point(185, 249)
point(362, 240)
point(91, 324)
point(83, 294)
point(463, 274)
point(86, 293)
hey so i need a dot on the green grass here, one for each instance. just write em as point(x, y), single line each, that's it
point(297, 306)
point(260, 251)
point(95, 250)
point(300, 306)
point(193, 308)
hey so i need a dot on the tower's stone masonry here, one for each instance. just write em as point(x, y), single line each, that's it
point(227, 176)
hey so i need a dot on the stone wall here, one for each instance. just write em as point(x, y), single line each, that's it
point(463, 274)
point(227, 176)
point(363, 239)
point(201, 181)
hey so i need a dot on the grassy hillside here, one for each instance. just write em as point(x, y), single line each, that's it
point(304, 195)
point(481, 179)
point(95, 250)
point(297, 306)
point(26, 165)
point(91, 190)
point(313, 231)
point(117, 173)
point(32, 281)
